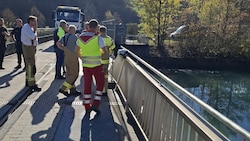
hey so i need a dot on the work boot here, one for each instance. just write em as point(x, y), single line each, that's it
point(74, 91)
point(35, 88)
point(64, 92)
point(93, 108)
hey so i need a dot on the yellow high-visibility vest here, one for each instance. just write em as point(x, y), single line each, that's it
point(60, 32)
point(90, 52)
point(109, 43)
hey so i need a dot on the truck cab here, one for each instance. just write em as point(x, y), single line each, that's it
point(72, 15)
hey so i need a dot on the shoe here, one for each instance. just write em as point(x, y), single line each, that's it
point(1, 68)
point(88, 111)
point(35, 88)
point(96, 110)
point(18, 67)
point(64, 93)
point(59, 77)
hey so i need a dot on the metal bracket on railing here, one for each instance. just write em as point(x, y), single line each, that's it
point(123, 52)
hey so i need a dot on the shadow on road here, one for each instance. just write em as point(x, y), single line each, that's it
point(102, 126)
point(8, 77)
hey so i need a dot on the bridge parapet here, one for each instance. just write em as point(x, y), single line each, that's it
point(161, 114)
point(44, 34)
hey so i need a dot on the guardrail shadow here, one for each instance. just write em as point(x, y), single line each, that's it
point(8, 77)
point(10, 106)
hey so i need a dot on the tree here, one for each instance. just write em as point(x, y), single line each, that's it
point(41, 19)
point(9, 17)
point(109, 15)
point(155, 16)
point(90, 11)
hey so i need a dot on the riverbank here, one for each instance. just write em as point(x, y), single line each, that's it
point(164, 59)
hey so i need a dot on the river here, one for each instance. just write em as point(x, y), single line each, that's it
point(226, 91)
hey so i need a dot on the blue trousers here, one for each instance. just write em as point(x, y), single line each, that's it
point(59, 60)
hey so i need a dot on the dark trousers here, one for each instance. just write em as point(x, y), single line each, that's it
point(19, 52)
point(2, 51)
point(59, 60)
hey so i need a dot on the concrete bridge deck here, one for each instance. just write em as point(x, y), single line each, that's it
point(49, 115)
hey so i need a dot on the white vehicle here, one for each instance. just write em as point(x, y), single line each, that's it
point(72, 15)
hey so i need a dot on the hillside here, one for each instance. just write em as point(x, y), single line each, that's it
point(92, 8)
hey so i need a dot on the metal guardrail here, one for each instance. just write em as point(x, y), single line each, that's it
point(44, 34)
point(233, 126)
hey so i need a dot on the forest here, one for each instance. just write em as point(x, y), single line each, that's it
point(98, 9)
point(217, 28)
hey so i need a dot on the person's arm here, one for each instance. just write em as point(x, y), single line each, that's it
point(59, 45)
point(112, 47)
point(29, 33)
point(104, 50)
point(6, 33)
point(13, 35)
point(78, 53)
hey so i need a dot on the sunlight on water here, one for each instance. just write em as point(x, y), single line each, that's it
point(227, 92)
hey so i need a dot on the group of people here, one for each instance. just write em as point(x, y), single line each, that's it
point(93, 46)
point(25, 37)
point(16, 36)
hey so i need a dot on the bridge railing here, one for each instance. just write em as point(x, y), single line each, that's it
point(160, 113)
point(44, 34)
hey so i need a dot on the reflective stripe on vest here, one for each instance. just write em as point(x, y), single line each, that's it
point(105, 61)
point(90, 52)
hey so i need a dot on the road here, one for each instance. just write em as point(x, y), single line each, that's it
point(49, 115)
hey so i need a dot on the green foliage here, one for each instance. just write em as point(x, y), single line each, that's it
point(225, 25)
point(9, 17)
point(92, 8)
point(41, 19)
point(155, 16)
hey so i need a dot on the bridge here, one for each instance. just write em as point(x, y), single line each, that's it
point(138, 106)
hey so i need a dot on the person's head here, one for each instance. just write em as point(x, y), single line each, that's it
point(72, 29)
point(63, 24)
point(19, 22)
point(1, 21)
point(86, 26)
point(32, 21)
point(93, 25)
point(103, 30)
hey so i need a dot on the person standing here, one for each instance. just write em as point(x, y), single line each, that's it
point(3, 33)
point(88, 49)
point(16, 36)
point(58, 34)
point(86, 27)
point(30, 41)
point(68, 44)
point(110, 46)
